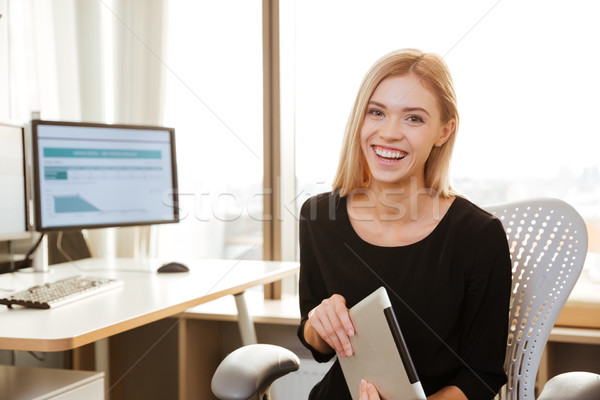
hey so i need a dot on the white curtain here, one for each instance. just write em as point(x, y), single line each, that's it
point(38, 72)
point(36, 65)
point(121, 53)
point(139, 43)
point(91, 61)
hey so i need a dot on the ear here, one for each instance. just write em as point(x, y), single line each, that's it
point(446, 131)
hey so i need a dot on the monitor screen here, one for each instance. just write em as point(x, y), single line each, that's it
point(13, 201)
point(96, 175)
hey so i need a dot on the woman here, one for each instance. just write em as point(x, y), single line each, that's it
point(392, 220)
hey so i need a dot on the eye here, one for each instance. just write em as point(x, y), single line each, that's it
point(415, 119)
point(374, 112)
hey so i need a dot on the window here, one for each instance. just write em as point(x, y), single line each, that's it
point(526, 76)
point(214, 102)
point(4, 97)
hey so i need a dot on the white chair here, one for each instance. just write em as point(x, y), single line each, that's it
point(248, 372)
point(548, 245)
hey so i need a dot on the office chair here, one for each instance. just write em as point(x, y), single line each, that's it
point(248, 372)
point(548, 245)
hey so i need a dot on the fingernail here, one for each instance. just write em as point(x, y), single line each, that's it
point(349, 351)
point(350, 332)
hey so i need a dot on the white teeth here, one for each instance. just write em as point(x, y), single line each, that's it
point(388, 154)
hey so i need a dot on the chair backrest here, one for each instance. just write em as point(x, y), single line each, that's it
point(548, 245)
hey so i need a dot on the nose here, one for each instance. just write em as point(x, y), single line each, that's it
point(391, 129)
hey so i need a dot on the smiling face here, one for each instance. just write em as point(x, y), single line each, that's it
point(402, 124)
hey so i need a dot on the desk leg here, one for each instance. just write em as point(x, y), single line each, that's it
point(182, 358)
point(200, 348)
point(245, 322)
point(102, 363)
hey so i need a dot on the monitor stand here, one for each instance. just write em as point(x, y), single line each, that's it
point(40, 256)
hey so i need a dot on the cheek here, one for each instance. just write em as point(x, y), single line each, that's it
point(366, 130)
point(363, 144)
point(364, 134)
point(363, 129)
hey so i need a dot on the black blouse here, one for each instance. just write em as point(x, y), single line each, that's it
point(450, 292)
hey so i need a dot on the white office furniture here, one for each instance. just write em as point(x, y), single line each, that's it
point(548, 245)
point(145, 297)
point(27, 383)
point(237, 375)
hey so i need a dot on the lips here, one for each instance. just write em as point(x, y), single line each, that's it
point(388, 154)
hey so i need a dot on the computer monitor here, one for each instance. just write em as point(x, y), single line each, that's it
point(13, 183)
point(89, 175)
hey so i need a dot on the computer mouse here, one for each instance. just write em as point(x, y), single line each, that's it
point(173, 267)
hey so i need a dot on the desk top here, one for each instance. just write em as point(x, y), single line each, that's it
point(145, 297)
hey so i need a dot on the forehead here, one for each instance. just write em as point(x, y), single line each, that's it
point(405, 90)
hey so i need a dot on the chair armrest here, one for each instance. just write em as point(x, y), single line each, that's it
point(251, 369)
point(572, 385)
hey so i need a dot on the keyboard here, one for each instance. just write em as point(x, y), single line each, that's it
point(58, 293)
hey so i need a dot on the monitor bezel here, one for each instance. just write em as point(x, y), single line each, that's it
point(36, 175)
point(26, 232)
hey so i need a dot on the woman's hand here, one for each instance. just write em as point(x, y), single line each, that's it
point(367, 391)
point(330, 321)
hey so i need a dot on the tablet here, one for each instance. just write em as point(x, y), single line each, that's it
point(380, 353)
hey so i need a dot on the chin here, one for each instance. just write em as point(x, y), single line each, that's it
point(388, 181)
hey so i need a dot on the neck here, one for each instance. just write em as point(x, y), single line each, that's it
point(396, 203)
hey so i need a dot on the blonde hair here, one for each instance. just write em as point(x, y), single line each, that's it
point(433, 74)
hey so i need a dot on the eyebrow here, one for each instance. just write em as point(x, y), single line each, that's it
point(405, 109)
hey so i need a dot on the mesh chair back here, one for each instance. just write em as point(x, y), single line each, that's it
point(548, 245)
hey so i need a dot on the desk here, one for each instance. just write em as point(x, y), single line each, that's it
point(145, 297)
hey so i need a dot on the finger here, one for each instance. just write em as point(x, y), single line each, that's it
point(327, 313)
point(344, 315)
point(367, 391)
point(340, 321)
point(336, 311)
point(362, 390)
point(344, 327)
point(333, 332)
point(323, 327)
point(372, 392)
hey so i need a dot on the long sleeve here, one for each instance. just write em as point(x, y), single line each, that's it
point(312, 289)
point(485, 317)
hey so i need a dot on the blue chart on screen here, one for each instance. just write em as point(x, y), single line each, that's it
point(91, 175)
point(66, 204)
